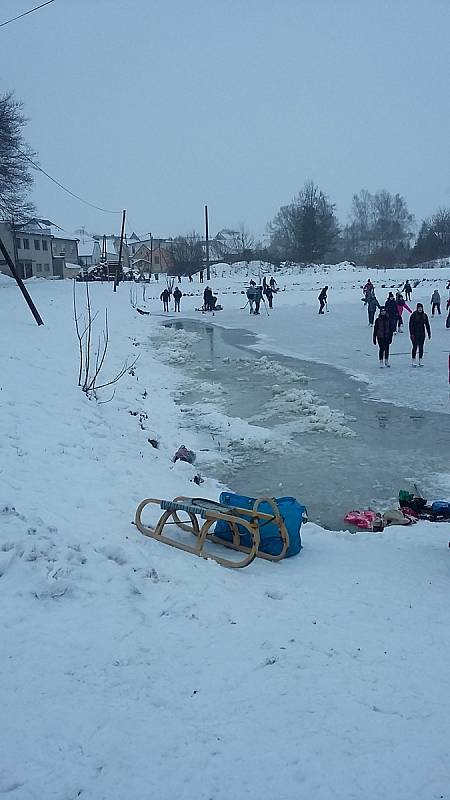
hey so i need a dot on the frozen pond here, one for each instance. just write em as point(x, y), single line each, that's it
point(290, 427)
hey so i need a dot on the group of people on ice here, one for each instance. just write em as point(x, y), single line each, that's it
point(255, 294)
point(385, 327)
point(166, 296)
point(209, 299)
point(390, 321)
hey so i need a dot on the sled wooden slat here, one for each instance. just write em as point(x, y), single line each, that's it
point(203, 514)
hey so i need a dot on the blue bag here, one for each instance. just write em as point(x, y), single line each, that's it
point(292, 512)
point(441, 508)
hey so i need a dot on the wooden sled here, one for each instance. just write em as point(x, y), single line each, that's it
point(203, 514)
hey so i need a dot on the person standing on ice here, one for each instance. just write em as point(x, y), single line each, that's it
point(323, 299)
point(407, 290)
point(165, 297)
point(177, 295)
point(382, 335)
point(273, 284)
point(372, 305)
point(401, 305)
point(269, 294)
point(250, 298)
point(435, 302)
point(418, 324)
point(368, 289)
point(257, 296)
point(391, 310)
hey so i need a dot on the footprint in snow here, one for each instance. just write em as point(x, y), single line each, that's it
point(275, 595)
point(116, 554)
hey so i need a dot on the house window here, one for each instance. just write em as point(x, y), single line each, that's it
point(38, 267)
point(44, 244)
point(26, 244)
point(37, 244)
point(19, 244)
point(47, 267)
point(156, 260)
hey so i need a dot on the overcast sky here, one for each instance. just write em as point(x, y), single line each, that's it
point(160, 107)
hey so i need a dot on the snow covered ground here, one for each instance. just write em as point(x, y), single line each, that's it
point(132, 670)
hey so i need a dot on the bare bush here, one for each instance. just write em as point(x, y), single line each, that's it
point(92, 356)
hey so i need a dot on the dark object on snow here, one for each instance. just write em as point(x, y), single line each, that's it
point(140, 311)
point(198, 479)
point(183, 454)
point(216, 308)
point(291, 511)
point(154, 443)
point(408, 500)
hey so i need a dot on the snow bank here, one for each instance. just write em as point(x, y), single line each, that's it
point(133, 670)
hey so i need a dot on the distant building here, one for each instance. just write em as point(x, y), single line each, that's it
point(67, 248)
point(36, 250)
point(151, 256)
point(133, 243)
point(89, 252)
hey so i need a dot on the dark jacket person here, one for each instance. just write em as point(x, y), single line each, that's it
point(418, 324)
point(382, 334)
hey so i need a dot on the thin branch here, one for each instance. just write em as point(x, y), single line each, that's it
point(99, 361)
point(79, 336)
point(89, 336)
point(126, 368)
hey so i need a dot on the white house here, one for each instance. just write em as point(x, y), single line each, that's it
point(89, 252)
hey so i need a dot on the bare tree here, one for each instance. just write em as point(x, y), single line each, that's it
point(187, 254)
point(440, 223)
point(380, 227)
point(15, 170)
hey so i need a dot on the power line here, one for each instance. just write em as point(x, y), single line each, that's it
point(61, 186)
point(26, 12)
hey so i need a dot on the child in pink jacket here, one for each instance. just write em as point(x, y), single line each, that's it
point(401, 305)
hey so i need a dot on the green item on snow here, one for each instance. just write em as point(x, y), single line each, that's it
point(404, 496)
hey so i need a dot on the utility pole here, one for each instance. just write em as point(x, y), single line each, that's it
point(151, 258)
point(208, 271)
point(119, 266)
point(20, 284)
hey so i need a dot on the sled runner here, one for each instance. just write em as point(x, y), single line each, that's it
point(258, 530)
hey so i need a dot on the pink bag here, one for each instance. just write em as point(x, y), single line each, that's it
point(362, 519)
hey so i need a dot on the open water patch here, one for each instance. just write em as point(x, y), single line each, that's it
point(277, 425)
